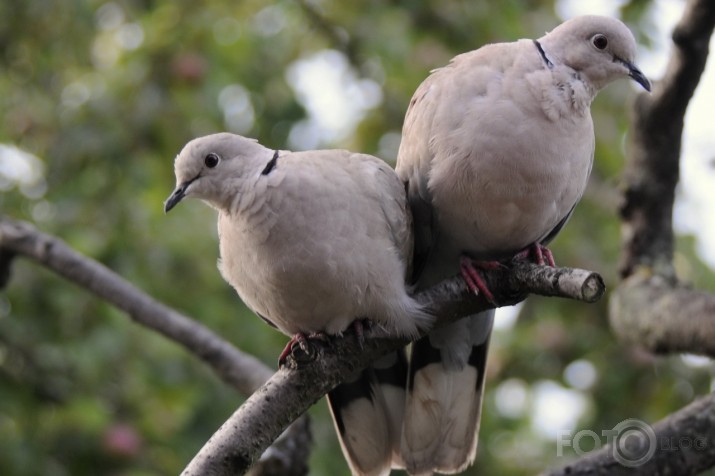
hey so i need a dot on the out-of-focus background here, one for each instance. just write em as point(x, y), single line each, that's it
point(96, 99)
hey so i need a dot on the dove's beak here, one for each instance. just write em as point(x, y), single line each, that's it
point(638, 76)
point(176, 196)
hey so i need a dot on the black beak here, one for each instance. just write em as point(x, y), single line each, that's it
point(176, 196)
point(638, 76)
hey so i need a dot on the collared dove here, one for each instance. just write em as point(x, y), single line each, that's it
point(496, 151)
point(313, 241)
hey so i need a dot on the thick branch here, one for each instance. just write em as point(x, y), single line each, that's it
point(293, 389)
point(651, 312)
point(653, 167)
point(683, 444)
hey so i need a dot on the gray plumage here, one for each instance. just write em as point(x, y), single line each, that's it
point(319, 241)
point(496, 151)
point(312, 241)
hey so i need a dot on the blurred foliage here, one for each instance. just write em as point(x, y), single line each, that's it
point(107, 93)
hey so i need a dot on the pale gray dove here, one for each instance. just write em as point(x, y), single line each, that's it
point(313, 242)
point(496, 151)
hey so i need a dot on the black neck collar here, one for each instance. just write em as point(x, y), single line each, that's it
point(271, 164)
point(547, 61)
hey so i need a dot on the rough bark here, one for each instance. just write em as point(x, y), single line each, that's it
point(288, 455)
point(650, 311)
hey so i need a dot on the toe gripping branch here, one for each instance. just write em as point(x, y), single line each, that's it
point(471, 272)
point(302, 346)
point(471, 269)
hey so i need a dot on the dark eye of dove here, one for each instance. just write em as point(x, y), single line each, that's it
point(600, 41)
point(212, 160)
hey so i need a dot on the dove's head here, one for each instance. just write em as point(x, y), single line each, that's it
point(213, 168)
point(600, 49)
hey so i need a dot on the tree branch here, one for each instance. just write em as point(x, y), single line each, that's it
point(294, 388)
point(683, 444)
point(650, 308)
point(652, 169)
point(288, 455)
point(651, 312)
point(243, 372)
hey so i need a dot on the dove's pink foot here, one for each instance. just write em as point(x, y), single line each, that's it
point(302, 341)
point(540, 254)
point(470, 270)
point(297, 339)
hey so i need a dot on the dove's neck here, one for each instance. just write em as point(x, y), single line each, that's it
point(559, 89)
point(558, 59)
point(544, 57)
point(253, 199)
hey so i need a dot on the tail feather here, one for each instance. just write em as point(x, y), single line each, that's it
point(391, 376)
point(367, 411)
point(444, 396)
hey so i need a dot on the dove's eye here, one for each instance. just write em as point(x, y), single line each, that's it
point(600, 41)
point(211, 160)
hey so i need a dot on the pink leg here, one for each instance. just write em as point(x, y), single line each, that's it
point(549, 256)
point(541, 254)
point(473, 278)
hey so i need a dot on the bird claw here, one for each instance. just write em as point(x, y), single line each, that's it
point(539, 253)
point(475, 282)
point(288, 349)
point(301, 348)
